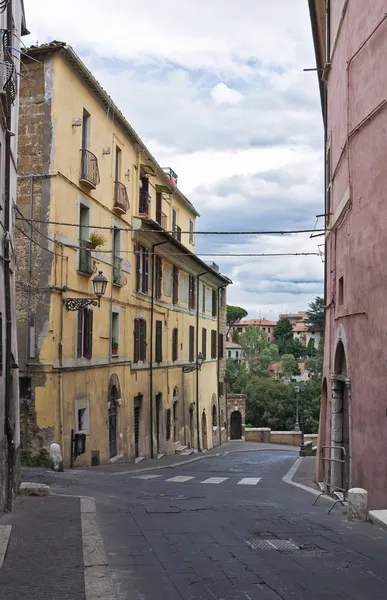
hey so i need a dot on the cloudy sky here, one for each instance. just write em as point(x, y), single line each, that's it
point(216, 89)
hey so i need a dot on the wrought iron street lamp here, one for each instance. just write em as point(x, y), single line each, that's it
point(298, 389)
point(99, 287)
point(197, 366)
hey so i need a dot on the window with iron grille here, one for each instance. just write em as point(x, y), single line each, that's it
point(192, 292)
point(175, 282)
point(213, 343)
point(158, 277)
point(214, 303)
point(204, 342)
point(139, 340)
point(220, 346)
point(85, 333)
point(175, 341)
point(142, 269)
point(159, 341)
point(168, 424)
point(191, 343)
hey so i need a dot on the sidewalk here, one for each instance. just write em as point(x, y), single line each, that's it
point(44, 558)
point(305, 472)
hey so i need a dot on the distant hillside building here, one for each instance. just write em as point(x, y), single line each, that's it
point(264, 324)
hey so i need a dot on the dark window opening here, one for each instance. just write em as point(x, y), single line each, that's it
point(175, 341)
point(204, 342)
point(341, 291)
point(191, 343)
point(175, 281)
point(85, 333)
point(214, 303)
point(139, 340)
point(25, 387)
point(159, 277)
point(192, 292)
point(159, 341)
point(213, 343)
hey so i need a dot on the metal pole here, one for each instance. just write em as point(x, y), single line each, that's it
point(297, 425)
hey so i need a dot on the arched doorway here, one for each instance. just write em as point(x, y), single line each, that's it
point(204, 431)
point(191, 426)
point(175, 415)
point(113, 422)
point(236, 425)
point(214, 416)
point(159, 408)
point(340, 416)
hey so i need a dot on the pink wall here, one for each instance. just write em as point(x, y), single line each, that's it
point(357, 248)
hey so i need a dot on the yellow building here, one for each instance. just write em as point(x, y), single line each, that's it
point(126, 373)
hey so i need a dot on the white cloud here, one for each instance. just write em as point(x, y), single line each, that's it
point(222, 94)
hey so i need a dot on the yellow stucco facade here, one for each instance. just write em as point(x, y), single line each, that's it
point(118, 373)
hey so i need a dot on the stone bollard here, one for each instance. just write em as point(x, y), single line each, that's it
point(357, 504)
point(56, 462)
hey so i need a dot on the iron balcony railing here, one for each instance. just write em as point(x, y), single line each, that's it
point(84, 258)
point(121, 199)
point(164, 221)
point(144, 201)
point(8, 75)
point(89, 168)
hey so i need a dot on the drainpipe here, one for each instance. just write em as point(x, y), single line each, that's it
point(151, 344)
point(9, 396)
point(197, 358)
point(218, 364)
point(28, 304)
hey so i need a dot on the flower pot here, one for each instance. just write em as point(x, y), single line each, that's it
point(114, 351)
point(90, 245)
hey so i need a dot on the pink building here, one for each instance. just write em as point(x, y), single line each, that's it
point(351, 50)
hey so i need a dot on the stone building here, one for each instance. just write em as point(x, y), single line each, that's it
point(350, 41)
point(12, 27)
point(139, 371)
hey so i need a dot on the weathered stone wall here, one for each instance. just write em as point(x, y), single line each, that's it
point(236, 402)
point(267, 436)
point(33, 264)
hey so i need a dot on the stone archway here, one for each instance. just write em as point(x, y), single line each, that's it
point(236, 425)
point(114, 397)
point(340, 417)
point(204, 431)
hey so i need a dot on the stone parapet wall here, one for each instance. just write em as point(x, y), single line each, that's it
point(287, 438)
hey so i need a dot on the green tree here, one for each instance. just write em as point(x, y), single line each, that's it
point(316, 314)
point(270, 404)
point(310, 349)
point(283, 335)
point(253, 341)
point(288, 367)
point(235, 337)
point(234, 315)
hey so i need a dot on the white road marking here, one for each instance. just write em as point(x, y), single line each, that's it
point(249, 481)
point(180, 479)
point(215, 480)
point(145, 476)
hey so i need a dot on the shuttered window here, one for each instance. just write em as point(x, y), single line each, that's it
point(159, 341)
point(139, 340)
point(159, 277)
point(85, 333)
point(191, 343)
point(142, 269)
point(204, 342)
point(204, 298)
point(220, 347)
point(175, 341)
point(213, 343)
point(192, 292)
point(214, 303)
point(175, 280)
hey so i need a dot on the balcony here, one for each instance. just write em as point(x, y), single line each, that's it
point(176, 233)
point(144, 201)
point(162, 219)
point(89, 169)
point(84, 258)
point(8, 74)
point(121, 199)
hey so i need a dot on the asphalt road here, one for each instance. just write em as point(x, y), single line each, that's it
point(229, 528)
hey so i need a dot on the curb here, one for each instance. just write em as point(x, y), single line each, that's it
point(288, 478)
point(5, 534)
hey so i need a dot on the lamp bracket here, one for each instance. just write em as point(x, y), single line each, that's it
point(192, 368)
point(80, 303)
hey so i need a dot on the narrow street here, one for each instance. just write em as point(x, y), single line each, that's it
point(227, 528)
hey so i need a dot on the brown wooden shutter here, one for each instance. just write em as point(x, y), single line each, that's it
point(213, 343)
point(178, 233)
point(138, 269)
point(89, 333)
point(136, 338)
point(220, 348)
point(175, 280)
point(159, 276)
point(80, 334)
point(191, 343)
point(204, 299)
point(158, 207)
point(193, 292)
point(175, 341)
point(142, 343)
point(214, 303)
point(159, 341)
point(145, 271)
point(204, 342)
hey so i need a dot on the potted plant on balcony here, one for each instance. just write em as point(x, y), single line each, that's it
point(114, 346)
point(116, 274)
point(95, 240)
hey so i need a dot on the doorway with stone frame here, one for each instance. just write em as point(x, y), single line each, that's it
point(341, 419)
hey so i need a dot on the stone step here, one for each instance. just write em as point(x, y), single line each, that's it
point(179, 448)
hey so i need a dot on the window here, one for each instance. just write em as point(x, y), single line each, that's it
point(25, 387)
point(1, 344)
point(159, 341)
point(32, 342)
point(178, 233)
point(328, 184)
point(204, 299)
point(220, 345)
point(82, 415)
point(192, 292)
point(268, 329)
point(142, 269)
point(159, 277)
point(139, 340)
point(159, 207)
point(168, 424)
point(240, 330)
point(213, 343)
point(236, 354)
point(191, 343)
point(86, 120)
point(175, 341)
point(84, 252)
point(214, 303)
point(174, 222)
point(204, 342)
point(191, 232)
point(263, 328)
point(229, 353)
point(116, 256)
point(144, 200)
point(341, 291)
point(117, 169)
point(175, 283)
point(115, 333)
point(85, 333)
point(222, 299)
